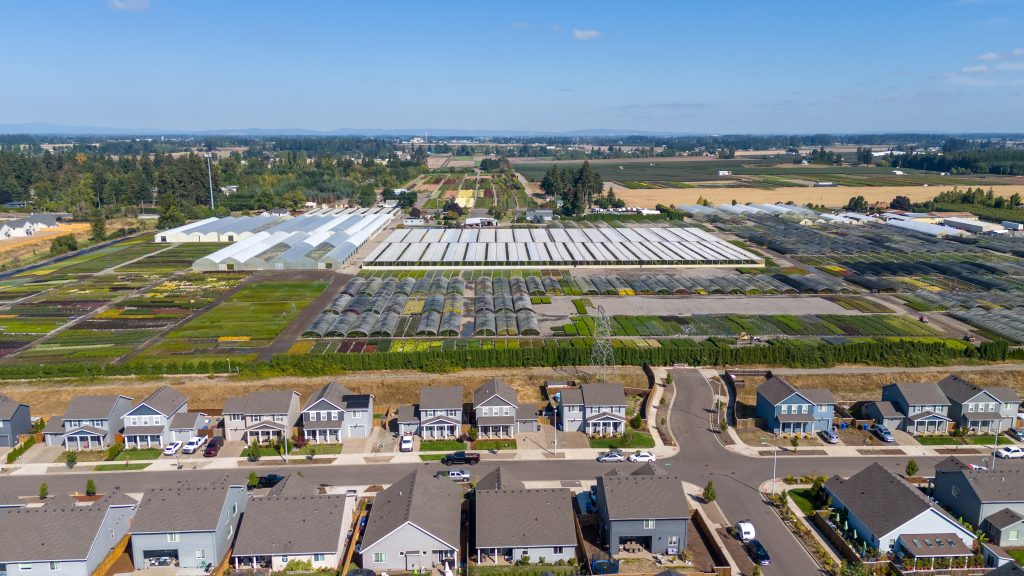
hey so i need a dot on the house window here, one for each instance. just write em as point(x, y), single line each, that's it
point(237, 417)
point(648, 524)
point(312, 416)
point(1014, 535)
point(319, 557)
point(992, 407)
point(505, 411)
point(334, 415)
point(556, 550)
point(485, 411)
point(785, 409)
point(955, 491)
point(284, 558)
point(174, 537)
point(200, 553)
point(54, 566)
point(379, 557)
point(24, 566)
point(145, 420)
point(234, 509)
point(135, 421)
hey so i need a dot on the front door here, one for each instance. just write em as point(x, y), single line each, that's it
point(412, 561)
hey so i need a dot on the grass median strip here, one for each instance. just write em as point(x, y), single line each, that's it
point(120, 467)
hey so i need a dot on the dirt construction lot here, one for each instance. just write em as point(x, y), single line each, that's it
point(12, 249)
point(854, 387)
point(833, 196)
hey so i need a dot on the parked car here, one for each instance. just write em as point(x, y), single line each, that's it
point(745, 530)
point(642, 456)
point(611, 456)
point(460, 457)
point(758, 553)
point(172, 448)
point(193, 444)
point(1016, 433)
point(214, 446)
point(830, 436)
point(1010, 452)
point(405, 445)
point(883, 434)
point(455, 475)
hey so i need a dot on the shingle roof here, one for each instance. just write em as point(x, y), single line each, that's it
point(881, 500)
point(494, 387)
point(1008, 569)
point(440, 397)
point(510, 518)
point(934, 545)
point(292, 525)
point(406, 414)
point(526, 412)
point(957, 389)
point(91, 407)
point(644, 497)
point(500, 479)
point(432, 504)
point(186, 420)
point(165, 400)
point(921, 393)
point(1005, 395)
point(1004, 484)
point(292, 486)
point(571, 397)
point(142, 430)
point(49, 533)
point(265, 402)
point(603, 394)
point(776, 389)
point(8, 406)
point(54, 425)
point(649, 469)
point(886, 409)
point(1004, 518)
point(181, 509)
point(334, 393)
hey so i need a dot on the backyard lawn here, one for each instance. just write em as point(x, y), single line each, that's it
point(802, 498)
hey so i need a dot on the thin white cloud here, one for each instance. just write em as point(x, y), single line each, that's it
point(1010, 66)
point(129, 5)
point(1017, 52)
point(989, 56)
point(979, 69)
point(520, 25)
point(584, 35)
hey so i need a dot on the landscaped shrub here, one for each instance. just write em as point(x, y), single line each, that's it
point(20, 449)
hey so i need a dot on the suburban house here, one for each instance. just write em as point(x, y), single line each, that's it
point(924, 407)
point(785, 410)
point(593, 409)
point(15, 420)
point(62, 538)
point(497, 412)
point(189, 527)
point(89, 423)
point(148, 424)
point(261, 416)
point(277, 530)
point(647, 508)
point(406, 422)
point(29, 226)
point(513, 524)
point(185, 425)
point(539, 215)
point(980, 410)
point(884, 413)
point(440, 411)
point(336, 413)
point(992, 500)
point(882, 508)
point(413, 525)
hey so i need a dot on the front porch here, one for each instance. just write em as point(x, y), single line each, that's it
point(143, 441)
point(264, 433)
point(928, 425)
point(84, 440)
point(324, 436)
point(440, 429)
point(605, 426)
point(979, 426)
point(495, 431)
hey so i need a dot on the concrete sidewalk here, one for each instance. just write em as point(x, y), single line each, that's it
point(739, 447)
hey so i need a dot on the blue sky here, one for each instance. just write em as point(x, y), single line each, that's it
point(718, 67)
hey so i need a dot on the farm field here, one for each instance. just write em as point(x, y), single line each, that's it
point(474, 191)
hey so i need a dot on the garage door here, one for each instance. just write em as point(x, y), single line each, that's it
point(356, 431)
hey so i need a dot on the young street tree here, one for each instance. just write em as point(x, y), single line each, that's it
point(709, 492)
point(912, 468)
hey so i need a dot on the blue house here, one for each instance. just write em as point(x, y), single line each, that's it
point(785, 410)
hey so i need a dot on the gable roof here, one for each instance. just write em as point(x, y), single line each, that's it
point(920, 393)
point(959, 390)
point(603, 394)
point(92, 407)
point(292, 525)
point(187, 420)
point(333, 392)
point(880, 499)
point(570, 397)
point(1004, 394)
point(263, 402)
point(50, 533)
point(293, 486)
point(644, 497)
point(1004, 484)
point(494, 387)
point(8, 406)
point(510, 518)
point(500, 479)
point(776, 389)
point(184, 509)
point(1004, 518)
point(440, 397)
point(885, 409)
point(406, 414)
point(165, 400)
point(1008, 569)
point(649, 469)
point(432, 504)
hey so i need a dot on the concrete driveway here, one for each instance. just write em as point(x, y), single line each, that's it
point(41, 454)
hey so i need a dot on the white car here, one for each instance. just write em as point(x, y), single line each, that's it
point(193, 444)
point(745, 530)
point(1010, 452)
point(611, 456)
point(406, 444)
point(642, 457)
point(172, 448)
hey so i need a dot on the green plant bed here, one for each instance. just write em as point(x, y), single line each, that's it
point(119, 467)
point(802, 498)
point(630, 439)
point(262, 451)
point(441, 445)
point(494, 445)
point(431, 457)
point(320, 449)
point(139, 454)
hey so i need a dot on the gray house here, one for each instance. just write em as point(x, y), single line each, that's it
point(497, 412)
point(980, 410)
point(884, 413)
point(185, 425)
point(64, 539)
point(261, 416)
point(336, 413)
point(15, 420)
point(924, 407)
point(191, 527)
point(593, 408)
point(89, 423)
point(889, 514)
point(414, 524)
point(786, 410)
point(648, 508)
point(277, 530)
point(516, 524)
point(406, 422)
point(992, 500)
point(440, 411)
point(148, 424)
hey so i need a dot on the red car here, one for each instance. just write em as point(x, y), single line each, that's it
point(213, 448)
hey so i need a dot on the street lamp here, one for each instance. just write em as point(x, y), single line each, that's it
point(775, 460)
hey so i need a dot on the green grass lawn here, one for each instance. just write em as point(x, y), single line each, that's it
point(630, 439)
point(937, 440)
point(263, 451)
point(802, 497)
point(431, 457)
point(140, 454)
point(1018, 556)
point(494, 445)
point(981, 440)
point(988, 440)
point(441, 446)
point(119, 467)
point(320, 449)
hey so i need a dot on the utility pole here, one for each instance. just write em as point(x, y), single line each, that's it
point(209, 177)
point(995, 447)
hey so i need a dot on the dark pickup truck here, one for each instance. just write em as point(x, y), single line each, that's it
point(460, 458)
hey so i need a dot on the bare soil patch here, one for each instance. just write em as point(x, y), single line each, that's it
point(854, 387)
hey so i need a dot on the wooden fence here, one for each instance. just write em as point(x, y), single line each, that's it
point(351, 548)
point(111, 558)
point(723, 564)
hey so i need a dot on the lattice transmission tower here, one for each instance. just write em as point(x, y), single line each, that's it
point(602, 355)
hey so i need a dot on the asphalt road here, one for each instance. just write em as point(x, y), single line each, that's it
point(702, 457)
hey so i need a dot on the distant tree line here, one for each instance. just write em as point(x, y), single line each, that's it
point(1005, 161)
